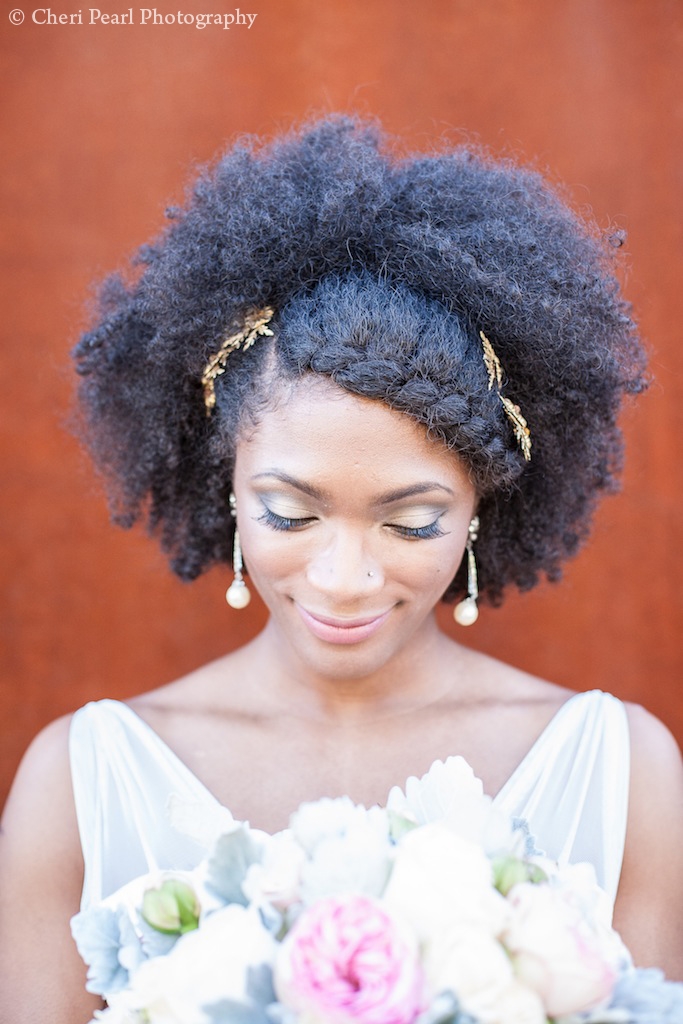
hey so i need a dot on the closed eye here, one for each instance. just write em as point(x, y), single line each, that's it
point(418, 532)
point(276, 522)
point(290, 523)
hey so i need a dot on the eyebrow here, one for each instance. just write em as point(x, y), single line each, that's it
point(412, 490)
point(299, 485)
point(387, 499)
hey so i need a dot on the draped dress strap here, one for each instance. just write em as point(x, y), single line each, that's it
point(572, 787)
point(123, 775)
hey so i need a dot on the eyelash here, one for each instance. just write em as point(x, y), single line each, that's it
point(420, 532)
point(276, 522)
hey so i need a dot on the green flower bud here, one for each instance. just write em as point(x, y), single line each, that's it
point(172, 909)
point(510, 871)
point(536, 875)
point(400, 825)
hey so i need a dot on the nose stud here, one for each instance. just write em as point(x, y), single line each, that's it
point(371, 574)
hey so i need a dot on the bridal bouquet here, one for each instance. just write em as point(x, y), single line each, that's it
point(433, 910)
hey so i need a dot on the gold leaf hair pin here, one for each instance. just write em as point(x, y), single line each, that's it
point(512, 411)
point(255, 325)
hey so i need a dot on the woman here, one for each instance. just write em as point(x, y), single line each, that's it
point(400, 381)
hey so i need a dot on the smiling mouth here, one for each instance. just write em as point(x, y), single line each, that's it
point(342, 631)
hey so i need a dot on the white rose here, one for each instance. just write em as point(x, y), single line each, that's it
point(358, 862)
point(555, 951)
point(276, 880)
point(451, 793)
point(204, 967)
point(440, 880)
point(325, 819)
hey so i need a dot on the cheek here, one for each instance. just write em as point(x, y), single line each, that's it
point(270, 555)
point(428, 566)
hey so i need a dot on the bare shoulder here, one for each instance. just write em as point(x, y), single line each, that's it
point(653, 746)
point(649, 908)
point(41, 875)
point(656, 784)
point(41, 797)
point(39, 827)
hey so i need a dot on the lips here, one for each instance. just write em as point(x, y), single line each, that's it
point(342, 631)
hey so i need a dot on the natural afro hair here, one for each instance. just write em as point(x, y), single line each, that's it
point(382, 271)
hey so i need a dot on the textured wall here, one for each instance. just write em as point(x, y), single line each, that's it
point(103, 122)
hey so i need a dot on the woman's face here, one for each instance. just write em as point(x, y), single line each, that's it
point(352, 522)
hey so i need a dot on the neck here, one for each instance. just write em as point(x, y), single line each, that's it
point(427, 668)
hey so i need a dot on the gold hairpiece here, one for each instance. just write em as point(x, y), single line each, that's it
point(255, 324)
point(512, 411)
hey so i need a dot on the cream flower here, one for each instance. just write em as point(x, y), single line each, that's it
point(469, 962)
point(277, 879)
point(555, 951)
point(214, 960)
point(439, 879)
point(579, 886)
point(517, 1004)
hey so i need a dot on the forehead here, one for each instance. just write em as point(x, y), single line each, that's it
point(317, 431)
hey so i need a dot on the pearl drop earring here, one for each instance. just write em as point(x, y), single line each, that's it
point(466, 612)
point(238, 594)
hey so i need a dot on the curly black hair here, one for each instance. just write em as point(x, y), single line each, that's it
point(382, 270)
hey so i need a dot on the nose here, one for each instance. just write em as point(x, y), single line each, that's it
point(344, 570)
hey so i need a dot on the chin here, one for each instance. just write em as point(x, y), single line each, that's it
point(345, 665)
point(350, 661)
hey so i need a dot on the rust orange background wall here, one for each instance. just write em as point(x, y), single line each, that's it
point(103, 123)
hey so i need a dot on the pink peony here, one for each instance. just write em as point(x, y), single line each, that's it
point(346, 959)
